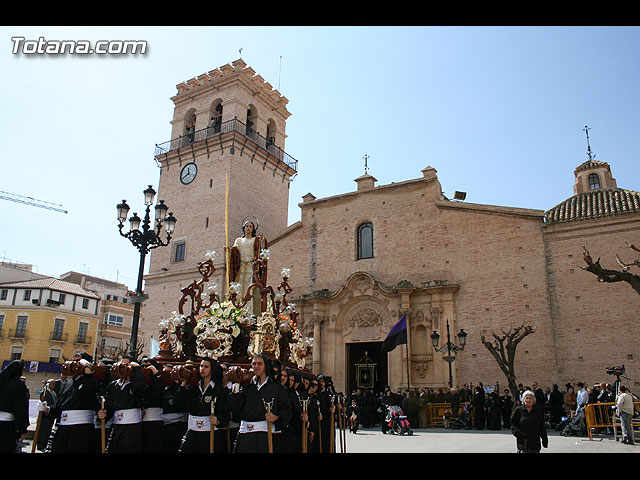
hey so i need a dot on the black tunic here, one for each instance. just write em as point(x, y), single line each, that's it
point(78, 393)
point(125, 438)
point(248, 405)
point(173, 432)
point(198, 401)
point(14, 399)
point(153, 431)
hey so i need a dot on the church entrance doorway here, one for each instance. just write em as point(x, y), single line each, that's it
point(366, 367)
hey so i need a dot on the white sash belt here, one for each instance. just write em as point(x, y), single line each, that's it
point(153, 414)
point(7, 417)
point(251, 427)
point(127, 416)
point(173, 417)
point(76, 417)
point(199, 424)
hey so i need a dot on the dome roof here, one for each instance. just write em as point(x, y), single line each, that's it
point(597, 203)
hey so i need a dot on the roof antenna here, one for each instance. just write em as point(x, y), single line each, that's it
point(591, 155)
point(279, 72)
point(366, 167)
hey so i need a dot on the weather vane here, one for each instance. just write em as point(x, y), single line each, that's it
point(591, 155)
point(366, 167)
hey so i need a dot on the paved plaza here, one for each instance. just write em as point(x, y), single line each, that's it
point(439, 440)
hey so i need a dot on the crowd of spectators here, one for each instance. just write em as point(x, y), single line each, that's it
point(480, 407)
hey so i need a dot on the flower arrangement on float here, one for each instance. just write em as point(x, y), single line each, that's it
point(227, 329)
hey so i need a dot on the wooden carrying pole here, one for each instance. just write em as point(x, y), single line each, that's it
point(268, 406)
point(103, 439)
point(39, 421)
point(212, 427)
point(319, 428)
point(332, 429)
point(305, 412)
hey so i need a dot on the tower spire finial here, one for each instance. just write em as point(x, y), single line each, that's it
point(366, 167)
point(589, 153)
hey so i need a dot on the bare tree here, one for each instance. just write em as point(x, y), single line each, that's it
point(609, 275)
point(503, 348)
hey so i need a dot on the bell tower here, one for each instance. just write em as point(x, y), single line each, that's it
point(225, 162)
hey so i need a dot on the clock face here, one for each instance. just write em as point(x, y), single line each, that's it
point(188, 173)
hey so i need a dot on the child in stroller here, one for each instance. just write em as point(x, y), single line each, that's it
point(397, 422)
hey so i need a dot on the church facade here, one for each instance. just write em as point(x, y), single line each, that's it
point(363, 260)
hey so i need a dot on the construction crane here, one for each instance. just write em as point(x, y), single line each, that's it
point(31, 201)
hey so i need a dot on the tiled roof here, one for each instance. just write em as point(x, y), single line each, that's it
point(52, 284)
point(598, 203)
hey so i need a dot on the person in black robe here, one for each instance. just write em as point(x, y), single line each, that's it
point(75, 409)
point(326, 397)
point(209, 408)
point(262, 401)
point(232, 426)
point(506, 407)
point(174, 415)
point(294, 428)
point(152, 403)
point(494, 413)
point(478, 402)
point(313, 413)
point(556, 405)
point(123, 404)
point(14, 407)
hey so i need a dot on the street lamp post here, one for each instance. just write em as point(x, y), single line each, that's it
point(450, 347)
point(145, 240)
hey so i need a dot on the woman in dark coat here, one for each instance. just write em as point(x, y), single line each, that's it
point(493, 409)
point(14, 407)
point(527, 425)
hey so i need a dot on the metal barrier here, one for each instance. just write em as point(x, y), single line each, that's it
point(602, 415)
point(435, 412)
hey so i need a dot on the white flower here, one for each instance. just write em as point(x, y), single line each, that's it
point(212, 288)
point(286, 272)
point(210, 255)
point(264, 254)
point(234, 287)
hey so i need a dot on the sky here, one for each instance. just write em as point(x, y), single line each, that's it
point(498, 111)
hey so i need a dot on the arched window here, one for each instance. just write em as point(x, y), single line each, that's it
point(594, 181)
point(271, 136)
point(215, 121)
point(365, 241)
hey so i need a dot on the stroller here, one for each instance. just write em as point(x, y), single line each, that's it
point(576, 426)
point(463, 421)
point(397, 422)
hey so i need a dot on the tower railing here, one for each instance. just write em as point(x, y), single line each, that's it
point(217, 129)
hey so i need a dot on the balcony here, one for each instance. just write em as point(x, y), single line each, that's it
point(83, 339)
point(58, 336)
point(217, 130)
point(18, 333)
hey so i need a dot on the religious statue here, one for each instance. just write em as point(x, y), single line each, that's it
point(245, 251)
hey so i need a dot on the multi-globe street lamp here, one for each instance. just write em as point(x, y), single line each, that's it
point(450, 347)
point(144, 239)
